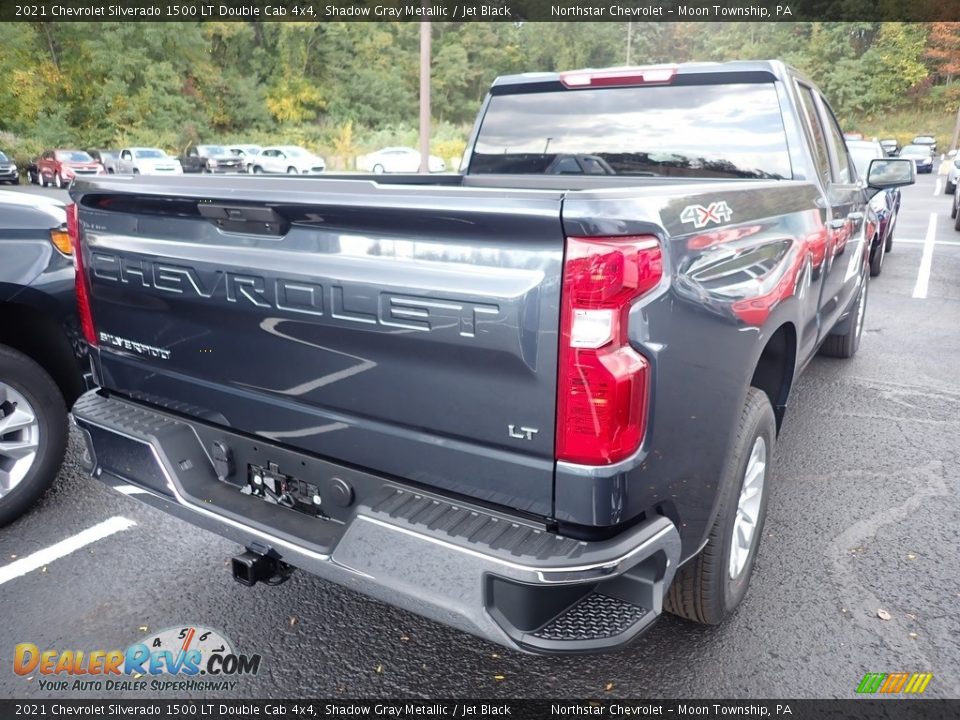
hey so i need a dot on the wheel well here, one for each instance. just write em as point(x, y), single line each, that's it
point(39, 337)
point(774, 371)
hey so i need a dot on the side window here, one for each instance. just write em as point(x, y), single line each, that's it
point(845, 170)
point(820, 156)
point(126, 155)
point(192, 152)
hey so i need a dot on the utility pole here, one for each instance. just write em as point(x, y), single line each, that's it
point(629, 40)
point(425, 97)
point(956, 131)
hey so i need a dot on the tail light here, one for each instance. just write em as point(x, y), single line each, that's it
point(603, 382)
point(82, 284)
point(620, 77)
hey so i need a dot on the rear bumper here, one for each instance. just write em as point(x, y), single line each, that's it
point(503, 578)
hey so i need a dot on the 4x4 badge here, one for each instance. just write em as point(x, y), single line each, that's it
point(700, 216)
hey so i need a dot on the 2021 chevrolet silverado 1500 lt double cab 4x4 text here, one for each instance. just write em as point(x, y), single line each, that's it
point(529, 401)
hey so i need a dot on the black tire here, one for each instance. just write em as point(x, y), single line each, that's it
point(292, 171)
point(58, 181)
point(846, 345)
point(257, 170)
point(378, 169)
point(703, 590)
point(37, 387)
point(876, 259)
point(956, 223)
point(949, 189)
point(15, 181)
point(136, 172)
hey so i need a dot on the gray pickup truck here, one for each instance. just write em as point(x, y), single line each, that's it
point(536, 401)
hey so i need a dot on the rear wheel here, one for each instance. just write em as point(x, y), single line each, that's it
point(257, 170)
point(378, 169)
point(876, 260)
point(291, 170)
point(846, 345)
point(709, 587)
point(33, 432)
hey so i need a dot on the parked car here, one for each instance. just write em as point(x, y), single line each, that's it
point(9, 173)
point(890, 146)
point(953, 174)
point(920, 154)
point(955, 211)
point(246, 153)
point(540, 408)
point(33, 171)
point(41, 351)
point(209, 159)
point(288, 159)
point(147, 161)
point(885, 203)
point(397, 160)
point(927, 140)
point(60, 167)
point(107, 158)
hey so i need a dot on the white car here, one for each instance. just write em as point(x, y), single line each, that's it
point(246, 153)
point(147, 161)
point(397, 160)
point(953, 175)
point(288, 159)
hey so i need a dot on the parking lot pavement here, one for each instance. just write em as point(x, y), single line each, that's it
point(864, 516)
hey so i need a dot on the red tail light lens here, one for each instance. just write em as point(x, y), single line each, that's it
point(622, 77)
point(603, 382)
point(81, 283)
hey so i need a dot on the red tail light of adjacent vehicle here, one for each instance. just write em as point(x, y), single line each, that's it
point(603, 382)
point(82, 286)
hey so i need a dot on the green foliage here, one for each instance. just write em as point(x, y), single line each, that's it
point(349, 88)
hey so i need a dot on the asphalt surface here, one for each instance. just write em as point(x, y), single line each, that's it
point(864, 516)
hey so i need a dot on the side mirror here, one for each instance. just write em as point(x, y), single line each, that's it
point(891, 173)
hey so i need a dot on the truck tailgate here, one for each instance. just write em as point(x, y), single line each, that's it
point(410, 330)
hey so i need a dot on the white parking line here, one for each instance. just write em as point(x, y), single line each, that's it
point(129, 490)
point(939, 187)
point(64, 547)
point(923, 274)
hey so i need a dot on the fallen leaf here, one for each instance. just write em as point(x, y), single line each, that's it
point(294, 620)
point(13, 557)
point(404, 638)
point(43, 569)
point(379, 668)
point(499, 678)
point(494, 656)
point(143, 628)
point(608, 687)
point(883, 614)
point(911, 556)
point(913, 635)
point(911, 616)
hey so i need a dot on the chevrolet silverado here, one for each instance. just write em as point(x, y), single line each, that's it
point(536, 401)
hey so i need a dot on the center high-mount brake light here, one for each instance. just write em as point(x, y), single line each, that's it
point(626, 76)
point(81, 283)
point(603, 383)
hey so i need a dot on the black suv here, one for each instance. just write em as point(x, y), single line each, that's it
point(41, 350)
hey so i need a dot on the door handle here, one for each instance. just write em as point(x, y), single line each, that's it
point(855, 216)
point(837, 224)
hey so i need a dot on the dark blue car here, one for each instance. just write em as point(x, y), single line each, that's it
point(886, 203)
point(41, 353)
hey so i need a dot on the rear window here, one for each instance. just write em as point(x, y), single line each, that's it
point(702, 131)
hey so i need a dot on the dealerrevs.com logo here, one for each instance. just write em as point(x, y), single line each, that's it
point(188, 658)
